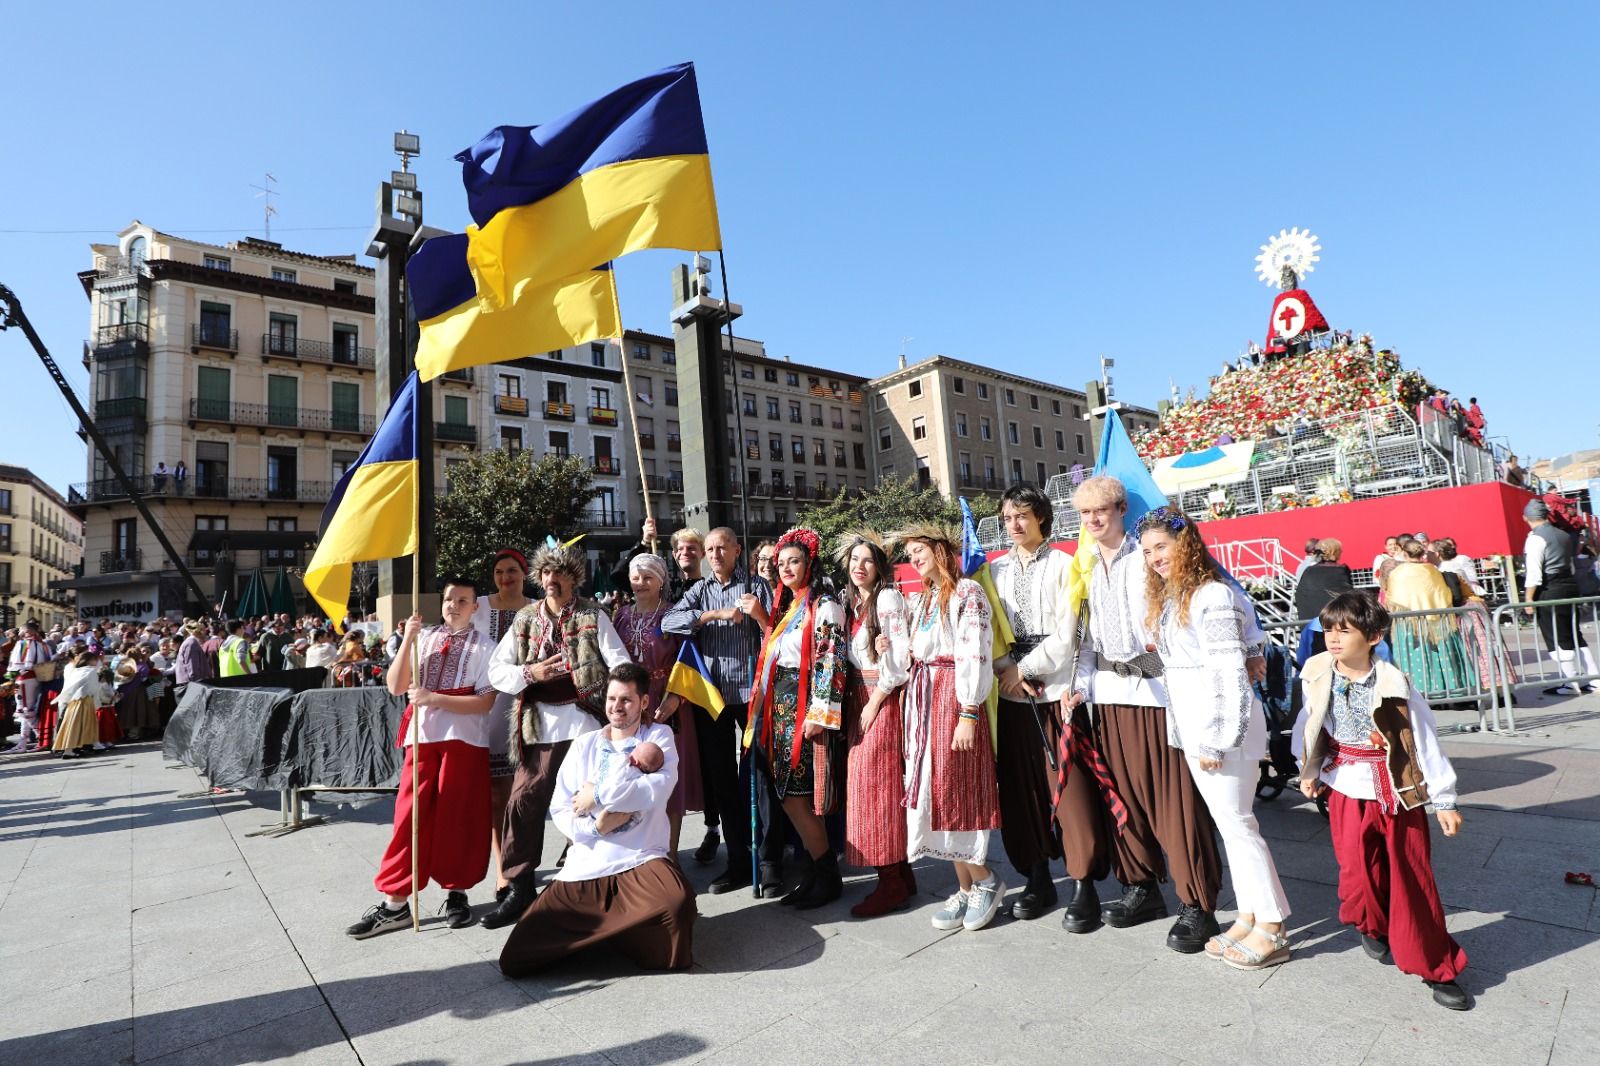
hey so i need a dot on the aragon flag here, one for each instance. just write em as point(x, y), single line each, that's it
point(372, 514)
point(628, 171)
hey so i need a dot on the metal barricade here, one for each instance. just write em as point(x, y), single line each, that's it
point(1526, 633)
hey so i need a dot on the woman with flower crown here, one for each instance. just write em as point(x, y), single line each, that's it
point(796, 710)
point(951, 798)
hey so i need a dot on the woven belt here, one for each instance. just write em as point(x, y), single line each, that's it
point(1146, 665)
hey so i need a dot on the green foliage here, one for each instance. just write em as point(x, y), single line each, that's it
point(501, 499)
point(893, 504)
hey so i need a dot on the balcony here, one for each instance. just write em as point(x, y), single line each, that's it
point(606, 464)
point(674, 482)
point(599, 520)
point(265, 415)
point(752, 451)
point(561, 412)
point(674, 443)
point(217, 338)
point(816, 421)
point(775, 454)
point(838, 461)
point(602, 416)
point(455, 433)
point(511, 405)
point(123, 407)
point(124, 340)
point(819, 459)
point(647, 440)
point(109, 490)
point(760, 489)
point(300, 350)
point(121, 562)
point(794, 416)
point(783, 490)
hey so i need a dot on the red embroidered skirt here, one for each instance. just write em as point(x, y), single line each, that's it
point(875, 822)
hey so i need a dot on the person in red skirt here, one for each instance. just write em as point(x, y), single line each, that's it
point(1370, 745)
point(878, 621)
point(452, 757)
point(951, 798)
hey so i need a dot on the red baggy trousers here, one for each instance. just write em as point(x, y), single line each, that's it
point(1386, 886)
point(452, 811)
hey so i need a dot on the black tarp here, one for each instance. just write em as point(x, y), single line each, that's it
point(276, 738)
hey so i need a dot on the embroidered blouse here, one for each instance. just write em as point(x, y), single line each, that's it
point(894, 621)
point(962, 635)
point(1210, 702)
point(828, 653)
point(1033, 591)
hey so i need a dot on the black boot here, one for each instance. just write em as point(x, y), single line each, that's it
point(771, 880)
point(1038, 895)
point(706, 853)
point(457, 911)
point(1193, 928)
point(1083, 912)
point(1141, 902)
point(826, 885)
point(736, 876)
point(808, 877)
point(519, 899)
point(1449, 994)
point(1375, 947)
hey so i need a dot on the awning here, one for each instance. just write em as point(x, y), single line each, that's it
point(211, 540)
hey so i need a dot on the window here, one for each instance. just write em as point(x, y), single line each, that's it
point(988, 469)
point(556, 355)
point(749, 404)
point(597, 355)
point(124, 537)
point(5, 501)
point(210, 468)
point(345, 341)
point(838, 453)
point(1033, 401)
point(859, 451)
point(1038, 437)
point(1016, 471)
point(216, 324)
point(455, 410)
point(1061, 441)
point(770, 374)
point(985, 430)
point(924, 475)
point(747, 372)
point(1011, 398)
point(797, 448)
point(819, 451)
point(282, 331)
point(669, 356)
point(1077, 411)
point(958, 386)
point(886, 471)
point(1055, 407)
point(510, 384)
point(671, 394)
point(1039, 468)
point(346, 413)
point(511, 438)
point(283, 400)
point(792, 379)
point(885, 440)
point(811, 381)
point(343, 285)
point(983, 390)
point(280, 274)
point(919, 428)
point(880, 402)
point(835, 418)
point(5, 535)
point(555, 392)
point(218, 262)
point(772, 408)
point(914, 389)
point(560, 443)
point(600, 397)
point(342, 462)
point(794, 410)
point(1081, 448)
point(1011, 433)
point(816, 414)
point(641, 353)
point(775, 447)
point(282, 525)
point(964, 466)
point(283, 473)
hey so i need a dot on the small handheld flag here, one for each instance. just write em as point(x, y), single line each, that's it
point(691, 680)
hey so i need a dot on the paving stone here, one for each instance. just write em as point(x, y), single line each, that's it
point(309, 1038)
point(200, 1009)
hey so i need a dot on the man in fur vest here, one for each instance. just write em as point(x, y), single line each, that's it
point(556, 659)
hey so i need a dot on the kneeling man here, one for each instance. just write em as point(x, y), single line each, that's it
point(618, 884)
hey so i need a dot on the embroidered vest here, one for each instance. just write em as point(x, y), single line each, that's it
point(580, 643)
point(1391, 717)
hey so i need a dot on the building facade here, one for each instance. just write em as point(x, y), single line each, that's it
point(41, 541)
point(236, 384)
point(964, 428)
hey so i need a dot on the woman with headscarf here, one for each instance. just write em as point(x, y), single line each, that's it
point(1428, 650)
point(951, 797)
point(875, 824)
point(509, 570)
point(797, 709)
point(639, 625)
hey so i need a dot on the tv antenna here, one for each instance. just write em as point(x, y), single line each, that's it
point(265, 193)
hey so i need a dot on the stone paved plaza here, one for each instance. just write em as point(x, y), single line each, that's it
point(139, 927)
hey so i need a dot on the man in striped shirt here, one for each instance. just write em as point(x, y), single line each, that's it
point(724, 615)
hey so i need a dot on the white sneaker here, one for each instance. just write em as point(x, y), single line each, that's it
point(950, 916)
point(983, 901)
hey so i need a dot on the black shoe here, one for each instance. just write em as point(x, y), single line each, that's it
point(826, 885)
point(1083, 912)
point(1038, 895)
point(457, 911)
point(501, 893)
point(808, 878)
point(1375, 947)
point(508, 910)
point(706, 853)
point(379, 919)
point(1193, 928)
point(1141, 902)
point(771, 880)
point(1450, 995)
point(736, 876)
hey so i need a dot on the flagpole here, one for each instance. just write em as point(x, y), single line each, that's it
point(633, 420)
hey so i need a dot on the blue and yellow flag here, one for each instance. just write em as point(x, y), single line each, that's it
point(691, 680)
point(630, 170)
point(373, 511)
point(1118, 458)
point(454, 332)
point(975, 565)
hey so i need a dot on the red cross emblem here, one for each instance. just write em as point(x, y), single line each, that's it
point(1291, 316)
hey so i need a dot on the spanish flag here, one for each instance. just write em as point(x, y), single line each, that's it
point(630, 170)
point(691, 680)
point(373, 511)
point(455, 333)
point(1118, 458)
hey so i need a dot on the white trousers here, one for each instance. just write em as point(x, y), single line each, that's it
point(27, 715)
point(1230, 795)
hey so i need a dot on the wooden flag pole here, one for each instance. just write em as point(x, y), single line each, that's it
point(416, 713)
point(638, 441)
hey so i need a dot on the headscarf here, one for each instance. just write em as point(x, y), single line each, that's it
point(650, 564)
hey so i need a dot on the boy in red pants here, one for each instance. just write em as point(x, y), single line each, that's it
point(1371, 746)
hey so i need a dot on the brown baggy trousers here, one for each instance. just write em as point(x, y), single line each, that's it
point(647, 913)
point(522, 832)
point(1087, 828)
point(1165, 811)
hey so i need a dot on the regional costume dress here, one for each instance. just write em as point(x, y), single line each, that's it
point(950, 797)
point(1033, 590)
point(657, 651)
point(1429, 649)
point(80, 698)
point(1168, 829)
point(800, 680)
point(875, 821)
point(451, 804)
point(620, 887)
point(1213, 713)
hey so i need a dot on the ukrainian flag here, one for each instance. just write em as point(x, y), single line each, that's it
point(373, 511)
point(1118, 458)
point(975, 565)
point(454, 332)
point(630, 170)
point(691, 680)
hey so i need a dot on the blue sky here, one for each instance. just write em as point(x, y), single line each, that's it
point(1030, 186)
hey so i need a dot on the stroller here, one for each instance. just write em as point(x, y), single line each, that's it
point(1280, 698)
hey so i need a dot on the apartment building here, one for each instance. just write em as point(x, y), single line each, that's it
point(236, 384)
point(41, 541)
point(966, 428)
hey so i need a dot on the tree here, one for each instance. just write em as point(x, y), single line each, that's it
point(893, 504)
point(504, 499)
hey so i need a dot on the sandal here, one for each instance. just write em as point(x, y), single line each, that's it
point(1218, 944)
point(1254, 960)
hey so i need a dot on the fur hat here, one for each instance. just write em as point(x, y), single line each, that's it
point(564, 559)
